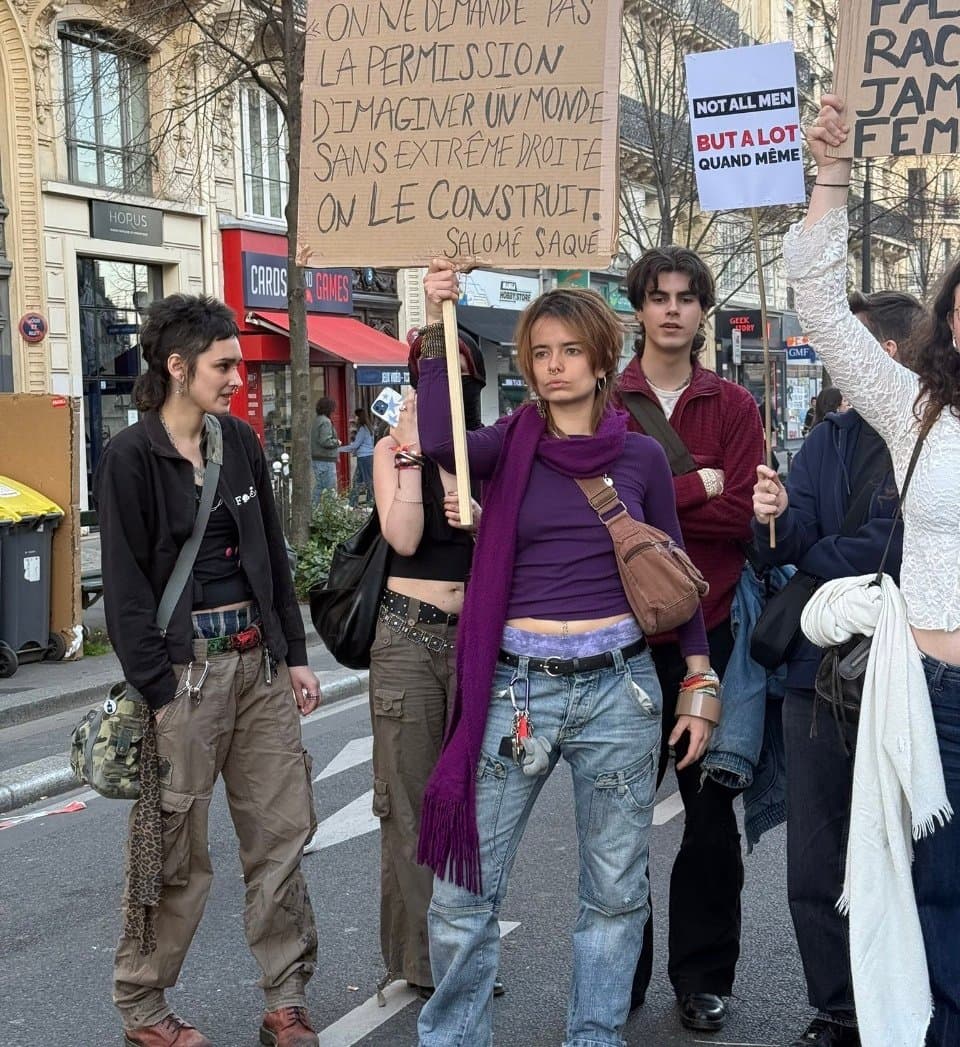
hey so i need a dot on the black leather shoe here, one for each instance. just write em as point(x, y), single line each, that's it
point(823, 1033)
point(702, 1011)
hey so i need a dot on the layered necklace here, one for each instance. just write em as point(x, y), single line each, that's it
point(197, 471)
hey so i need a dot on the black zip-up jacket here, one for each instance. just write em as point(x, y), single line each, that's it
point(146, 505)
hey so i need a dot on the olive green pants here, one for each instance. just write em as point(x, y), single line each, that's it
point(249, 731)
point(411, 689)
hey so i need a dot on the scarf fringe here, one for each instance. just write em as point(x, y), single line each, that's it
point(924, 825)
point(449, 842)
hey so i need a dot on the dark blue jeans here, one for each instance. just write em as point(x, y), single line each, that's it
point(819, 782)
point(936, 865)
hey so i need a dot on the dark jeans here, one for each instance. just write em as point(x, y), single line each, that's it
point(707, 877)
point(936, 866)
point(819, 781)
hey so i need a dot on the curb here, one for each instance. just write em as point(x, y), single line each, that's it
point(53, 775)
point(49, 703)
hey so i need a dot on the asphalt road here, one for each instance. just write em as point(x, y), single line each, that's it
point(60, 883)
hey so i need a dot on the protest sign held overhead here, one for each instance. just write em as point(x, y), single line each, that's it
point(745, 125)
point(484, 131)
point(897, 68)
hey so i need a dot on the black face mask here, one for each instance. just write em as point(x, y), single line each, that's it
point(472, 388)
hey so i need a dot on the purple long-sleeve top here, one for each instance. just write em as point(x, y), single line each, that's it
point(564, 567)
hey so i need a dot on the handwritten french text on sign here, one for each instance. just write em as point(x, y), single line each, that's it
point(746, 127)
point(897, 70)
point(480, 130)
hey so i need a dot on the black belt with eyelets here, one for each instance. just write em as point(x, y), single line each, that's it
point(571, 666)
point(427, 614)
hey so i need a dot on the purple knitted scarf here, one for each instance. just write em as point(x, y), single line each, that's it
point(449, 842)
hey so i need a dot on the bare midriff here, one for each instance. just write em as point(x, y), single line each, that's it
point(939, 644)
point(448, 596)
point(549, 627)
point(227, 607)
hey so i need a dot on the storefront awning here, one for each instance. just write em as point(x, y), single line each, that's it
point(495, 325)
point(341, 336)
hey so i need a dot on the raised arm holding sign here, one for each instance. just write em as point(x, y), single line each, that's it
point(904, 919)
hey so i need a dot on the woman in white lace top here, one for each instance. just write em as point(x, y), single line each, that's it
point(897, 402)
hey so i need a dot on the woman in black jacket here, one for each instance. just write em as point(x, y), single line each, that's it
point(223, 681)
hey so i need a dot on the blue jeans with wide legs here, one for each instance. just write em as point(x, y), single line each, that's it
point(606, 725)
point(936, 865)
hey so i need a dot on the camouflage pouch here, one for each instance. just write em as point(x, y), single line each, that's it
point(106, 744)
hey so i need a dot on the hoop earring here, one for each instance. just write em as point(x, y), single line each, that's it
point(601, 383)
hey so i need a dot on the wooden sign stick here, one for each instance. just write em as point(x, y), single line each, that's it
point(765, 341)
point(452, 340)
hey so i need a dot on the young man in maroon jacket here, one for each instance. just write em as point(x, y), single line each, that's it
point(671, 290)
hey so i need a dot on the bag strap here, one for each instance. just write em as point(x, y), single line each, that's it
point(183, 568)
point(600, 493)
point(914, 458)
point(656, 424)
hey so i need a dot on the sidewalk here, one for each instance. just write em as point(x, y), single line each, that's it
point(42, 689)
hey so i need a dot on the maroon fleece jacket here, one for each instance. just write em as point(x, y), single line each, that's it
point(720, 425)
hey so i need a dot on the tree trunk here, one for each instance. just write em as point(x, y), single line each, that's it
point(301, 414)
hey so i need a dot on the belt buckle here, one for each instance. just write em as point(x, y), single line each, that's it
point(435, 644)
point(557, 662)
point(245, 639)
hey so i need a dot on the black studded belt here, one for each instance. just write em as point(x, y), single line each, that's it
point(571, 666)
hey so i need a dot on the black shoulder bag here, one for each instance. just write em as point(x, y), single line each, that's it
point(840, 675)
point(344, 609)
point(777, 632)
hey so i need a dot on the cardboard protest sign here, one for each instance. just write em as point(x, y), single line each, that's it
point(896, 68)
point(485, 131)
point(745, 126)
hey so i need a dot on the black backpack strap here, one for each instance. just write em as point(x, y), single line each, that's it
point(656, 424)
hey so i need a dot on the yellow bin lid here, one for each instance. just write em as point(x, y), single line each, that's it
point(18, 501)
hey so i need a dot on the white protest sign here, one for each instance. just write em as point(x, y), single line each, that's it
point(745, 126)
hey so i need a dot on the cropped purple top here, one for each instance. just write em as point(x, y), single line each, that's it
point(564, 568)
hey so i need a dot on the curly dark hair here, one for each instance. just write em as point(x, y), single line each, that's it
point(184, 324)
point(935, 358)
point(644, 275)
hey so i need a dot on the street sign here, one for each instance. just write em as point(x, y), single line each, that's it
point(736, 343)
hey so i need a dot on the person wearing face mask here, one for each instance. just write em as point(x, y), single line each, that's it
point(413, 661)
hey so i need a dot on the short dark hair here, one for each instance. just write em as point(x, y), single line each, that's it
point(184, 324)
point(326, 405)
point(889, 316)
point(645, 273)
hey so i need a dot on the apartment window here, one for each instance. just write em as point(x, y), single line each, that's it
point(739, 275)
point(948, 193)
point(264, 154)
point(107, 114)
point(916, 192)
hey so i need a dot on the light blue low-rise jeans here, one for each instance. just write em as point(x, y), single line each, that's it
point(606, 725)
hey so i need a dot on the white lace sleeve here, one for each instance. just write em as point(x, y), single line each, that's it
point(882, 390)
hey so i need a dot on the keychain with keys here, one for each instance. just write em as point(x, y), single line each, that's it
point(522, 724)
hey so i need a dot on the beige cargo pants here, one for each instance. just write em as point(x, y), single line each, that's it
point(411, 689)
point(248, 730)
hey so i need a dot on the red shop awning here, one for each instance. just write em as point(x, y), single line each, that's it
point(340, 336)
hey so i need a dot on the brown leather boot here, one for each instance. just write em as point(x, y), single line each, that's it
point(288, 1027)
point(173, 1031)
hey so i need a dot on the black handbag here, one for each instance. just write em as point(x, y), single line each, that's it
point(344, 609)
point(842, 668)
point(777, 631)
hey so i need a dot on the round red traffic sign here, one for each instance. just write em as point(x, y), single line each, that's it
point(33, 327)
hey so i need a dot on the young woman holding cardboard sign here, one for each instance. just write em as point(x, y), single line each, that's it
point(551, 662)
point(900, 404)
